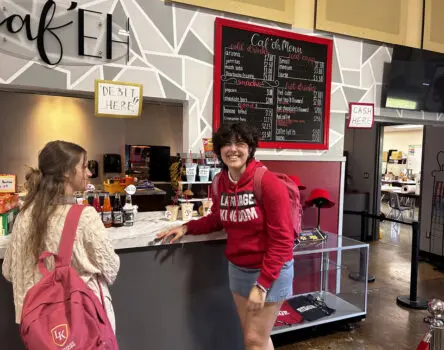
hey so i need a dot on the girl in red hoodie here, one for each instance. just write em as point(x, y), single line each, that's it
point(259, 235)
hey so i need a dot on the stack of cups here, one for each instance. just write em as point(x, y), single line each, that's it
point(204, 173)
point(207, 204)
point(214, 172)
point(191, 170)
point(171, 212)
point(187, 211)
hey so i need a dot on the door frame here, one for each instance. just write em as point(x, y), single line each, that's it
point(378, 168)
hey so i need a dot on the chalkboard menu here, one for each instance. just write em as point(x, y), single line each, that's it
point(276, 80)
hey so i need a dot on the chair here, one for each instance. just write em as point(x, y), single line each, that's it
point(396, 207)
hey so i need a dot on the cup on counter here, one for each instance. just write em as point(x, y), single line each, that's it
point(214, 172)
point(191, 170)
point(204, 173)
point(171, 212)
point(187, 211)
point(206, 205)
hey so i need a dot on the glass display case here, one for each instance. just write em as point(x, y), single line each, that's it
point(330, 284)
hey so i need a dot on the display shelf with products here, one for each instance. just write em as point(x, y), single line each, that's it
point(191, 200)
point(322, 289)
point(195, 183)
point(398, 161)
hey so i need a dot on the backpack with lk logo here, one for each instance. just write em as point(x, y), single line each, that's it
point(292, 189)
point(61, 311)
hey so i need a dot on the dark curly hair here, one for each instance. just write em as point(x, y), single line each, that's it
point(229, 133)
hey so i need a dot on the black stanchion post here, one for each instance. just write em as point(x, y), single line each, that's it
point(412, 301)
point(360, 276)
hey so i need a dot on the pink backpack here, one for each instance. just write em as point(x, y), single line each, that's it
point(293, 193)
point(61, 311)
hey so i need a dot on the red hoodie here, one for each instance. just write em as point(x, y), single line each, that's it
point(258, 235)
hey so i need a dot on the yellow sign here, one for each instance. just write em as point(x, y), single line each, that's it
point(118, 100)
point(8, 183)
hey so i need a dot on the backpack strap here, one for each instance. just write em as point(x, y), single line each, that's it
point(257, 182)
point(68, 235)
point(215, 185)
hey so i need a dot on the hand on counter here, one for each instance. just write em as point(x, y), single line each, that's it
point(176, 232)
point(256, 300)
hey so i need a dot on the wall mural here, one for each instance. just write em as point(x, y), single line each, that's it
point(172, 56)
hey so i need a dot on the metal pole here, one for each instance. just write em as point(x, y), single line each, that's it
point(412, 301)
point(414, 264)
point(361, 275)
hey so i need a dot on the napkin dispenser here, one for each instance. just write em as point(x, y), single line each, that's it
point(112, 163)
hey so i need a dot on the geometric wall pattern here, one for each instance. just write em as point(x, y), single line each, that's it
point(172, 56)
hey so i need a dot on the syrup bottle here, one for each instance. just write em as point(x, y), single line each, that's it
point(107, 218)
point(117, 211)
point(96, 204)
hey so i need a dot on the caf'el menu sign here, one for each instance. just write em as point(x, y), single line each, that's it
point(119, 100)
point(62, 33)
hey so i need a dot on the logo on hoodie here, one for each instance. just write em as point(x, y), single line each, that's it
point(238, 207)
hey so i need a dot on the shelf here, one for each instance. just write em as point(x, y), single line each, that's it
point(195, 182)
point(139, 192)
point(192, 200)
point(397, 161)
point(306, 266)
point(331, 244)
point(344, 310)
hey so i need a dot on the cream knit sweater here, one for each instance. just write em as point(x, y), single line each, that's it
point(93, 254)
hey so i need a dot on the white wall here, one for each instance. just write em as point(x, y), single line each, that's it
point(400, 140)
point(30, 121)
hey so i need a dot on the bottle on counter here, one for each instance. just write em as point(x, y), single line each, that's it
point(107, 211)
point(85, 198)
point(128, 211)
point(96, 203)
point(117, 211)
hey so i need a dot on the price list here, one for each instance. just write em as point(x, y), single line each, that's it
point(277, 84)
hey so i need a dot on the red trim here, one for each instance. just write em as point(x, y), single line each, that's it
point(350, 105)
point(217, 65)
point(222, 22)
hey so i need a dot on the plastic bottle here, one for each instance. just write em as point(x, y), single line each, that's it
point(85, 198)
point(117, 211)
point(96, 204)
point(128, 211)
point(107, 210)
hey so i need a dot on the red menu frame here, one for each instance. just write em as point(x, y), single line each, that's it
point(222, 22)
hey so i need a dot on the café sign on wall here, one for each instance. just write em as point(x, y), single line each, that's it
point(62, 33)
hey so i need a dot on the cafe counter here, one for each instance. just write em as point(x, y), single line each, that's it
point(142, 234)
point(172, 296)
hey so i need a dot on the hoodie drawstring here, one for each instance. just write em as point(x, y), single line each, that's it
point(237, 206)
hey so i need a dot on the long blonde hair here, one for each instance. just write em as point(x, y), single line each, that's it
point(46, 187)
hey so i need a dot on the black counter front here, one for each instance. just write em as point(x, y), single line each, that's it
point(165, 298)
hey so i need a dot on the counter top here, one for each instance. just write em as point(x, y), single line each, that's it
point(147, 225)
point(139, 192)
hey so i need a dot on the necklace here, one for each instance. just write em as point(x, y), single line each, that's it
point(231, 178)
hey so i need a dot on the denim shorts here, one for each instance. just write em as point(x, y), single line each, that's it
point(243, 279)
